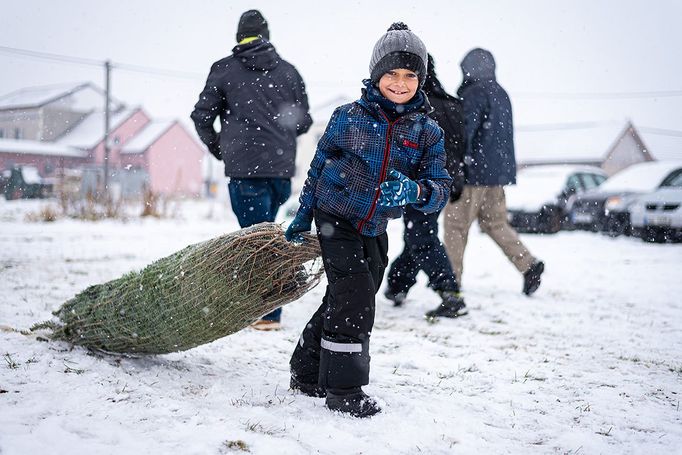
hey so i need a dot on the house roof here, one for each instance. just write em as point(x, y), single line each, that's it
point(38, 96)
point(144, 139)
point(662, 144)
point(25, 147)
point(575, 143)
point(90, 131)
point(35, 97)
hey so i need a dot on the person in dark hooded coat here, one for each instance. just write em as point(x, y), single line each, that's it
point(489, 164)
point(263, 106)
point(423, 249)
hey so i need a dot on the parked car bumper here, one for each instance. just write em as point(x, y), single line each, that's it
point(658, 222)
point(549, 220)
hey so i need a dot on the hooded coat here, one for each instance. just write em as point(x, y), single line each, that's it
point(263, 106)
point(360, 145)
point(489, 159)
point(447, 111)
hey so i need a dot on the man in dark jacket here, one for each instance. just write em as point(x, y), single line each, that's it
point(423, 249)
point(262, 104)
point(489, 165)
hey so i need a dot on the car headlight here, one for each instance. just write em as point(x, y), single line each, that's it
point(614, 203)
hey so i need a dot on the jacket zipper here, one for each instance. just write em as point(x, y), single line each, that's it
point(384, 166)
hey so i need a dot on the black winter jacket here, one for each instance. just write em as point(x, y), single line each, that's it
point(489, 159)
point(263, 106)
point(447, 112)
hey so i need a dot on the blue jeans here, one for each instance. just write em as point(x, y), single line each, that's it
point(255, 201)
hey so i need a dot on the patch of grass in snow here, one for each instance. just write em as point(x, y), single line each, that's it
point(527, 376)
point(675, 369)
point(605, 433)
point(233, 446)
point(491, 332)
point(11, 364)
point(46, 214)
point(584, 407)
point(649, 363)
point(257, 427)
point(68, 369)
point(470, 369)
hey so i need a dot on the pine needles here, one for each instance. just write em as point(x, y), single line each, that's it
point(197, 295)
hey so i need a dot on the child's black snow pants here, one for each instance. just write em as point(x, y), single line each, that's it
point(334, 347)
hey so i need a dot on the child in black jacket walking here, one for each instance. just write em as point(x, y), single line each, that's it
point(423, 249)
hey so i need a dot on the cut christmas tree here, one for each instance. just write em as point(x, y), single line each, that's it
point(197, 295)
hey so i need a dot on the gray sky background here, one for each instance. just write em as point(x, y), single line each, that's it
point(541, 47)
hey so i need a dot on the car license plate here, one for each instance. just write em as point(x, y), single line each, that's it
point(658, 220)
point(582, 218)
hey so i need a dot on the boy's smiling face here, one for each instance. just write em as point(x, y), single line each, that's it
point(399, 85)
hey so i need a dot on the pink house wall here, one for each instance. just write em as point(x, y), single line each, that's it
point(129, 128)
point(174, 163)
point(134, 160)
point(48, 166)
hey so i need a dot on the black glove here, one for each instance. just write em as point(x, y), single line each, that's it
point(457, 186)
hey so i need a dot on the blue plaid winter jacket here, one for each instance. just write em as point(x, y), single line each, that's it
point(353, 157)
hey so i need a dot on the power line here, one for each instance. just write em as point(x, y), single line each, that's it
point(159, 71)
point(48, 56)
point(191, 75)
point(100, 63)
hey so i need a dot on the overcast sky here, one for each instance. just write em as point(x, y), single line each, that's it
point(556, 49)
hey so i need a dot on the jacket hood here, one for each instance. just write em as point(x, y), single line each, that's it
point(478, 64)
point(433, 87)
point(258, 55)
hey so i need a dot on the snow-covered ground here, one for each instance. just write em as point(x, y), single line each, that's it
point(590, 364)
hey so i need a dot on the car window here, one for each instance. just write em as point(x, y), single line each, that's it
point(589, 181)
point(573, 184)
point(674, 179)
point(599, 178)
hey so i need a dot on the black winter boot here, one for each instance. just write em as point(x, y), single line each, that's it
point(452, 306)
point(352, 401)
point(398, 298)
point(531, 279)
point(311, 389)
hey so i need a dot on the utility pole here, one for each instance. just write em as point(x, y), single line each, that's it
point(107, 107)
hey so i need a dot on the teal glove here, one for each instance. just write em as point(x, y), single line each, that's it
point(298, 226)
point(398, 191)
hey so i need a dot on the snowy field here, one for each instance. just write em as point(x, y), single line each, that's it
point(590, 364)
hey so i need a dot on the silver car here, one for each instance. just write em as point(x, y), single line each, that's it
point(657, 216)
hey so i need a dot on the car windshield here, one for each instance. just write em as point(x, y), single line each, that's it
point(536, 186)
point(548, 181)
point(644, 177)
point(673, 180)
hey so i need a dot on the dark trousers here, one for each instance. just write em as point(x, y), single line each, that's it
point(255, 201)
point(423, 251)
point(334, 347)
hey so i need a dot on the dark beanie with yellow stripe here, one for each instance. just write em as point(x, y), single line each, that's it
point(252, 24)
